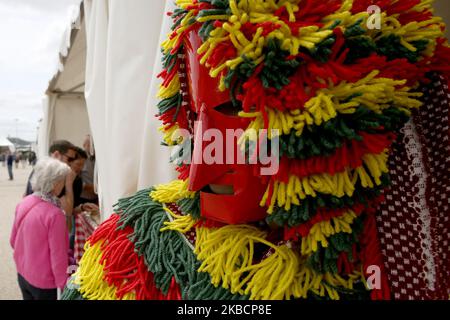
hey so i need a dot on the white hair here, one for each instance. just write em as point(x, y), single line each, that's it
point(47, 172)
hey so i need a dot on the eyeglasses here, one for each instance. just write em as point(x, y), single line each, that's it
point(70, 159)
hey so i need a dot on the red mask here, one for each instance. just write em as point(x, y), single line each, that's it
point(243, 205)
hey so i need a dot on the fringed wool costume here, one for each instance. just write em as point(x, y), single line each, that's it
point(338, 90)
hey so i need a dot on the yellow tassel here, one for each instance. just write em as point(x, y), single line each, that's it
point(338, 185)
point(172, 191)
point(172, 89)
point(375, 93)
point(168, 134)
point(90, 274)
point(256, 12)
point(325, 229)
point(179, 223)
point(227, 255)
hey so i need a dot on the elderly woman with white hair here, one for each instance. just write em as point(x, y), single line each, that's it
point(39, 236)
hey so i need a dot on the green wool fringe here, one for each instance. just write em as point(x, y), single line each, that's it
point(358, 293)
point(362, 46)
point(325, 139)
point(170, 103)
point(166, 254)
point(191, 206)
point(310, 205)
point(71, 293)
point(325, 258)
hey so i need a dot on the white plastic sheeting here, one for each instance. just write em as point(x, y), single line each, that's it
point(122, 51)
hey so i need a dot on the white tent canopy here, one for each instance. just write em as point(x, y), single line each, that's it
point(65, 113)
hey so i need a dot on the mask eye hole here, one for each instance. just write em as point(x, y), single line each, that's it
point(229, 109)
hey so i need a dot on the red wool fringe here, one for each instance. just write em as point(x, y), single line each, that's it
point(371, 256)
point(183, 171)
point(388, 6)
point(343, 262)
point(170, 117)
point(323, 214)
point(309, 14)
point(124, 268)
point(348, 156)
point(313, 75)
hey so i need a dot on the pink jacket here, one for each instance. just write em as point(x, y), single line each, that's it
point(41, 243)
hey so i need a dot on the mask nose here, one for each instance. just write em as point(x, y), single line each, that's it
point(201, 173)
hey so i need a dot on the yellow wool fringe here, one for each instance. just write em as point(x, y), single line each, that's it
point(172, 191)
point(430, 29)
point(325, 229)
point(254, 12)
point(90, 274)
point(168, 134)
point(179, 223)
point(374, 93)
point(172, 89)
point(339, 184)
point(170, 42)
point(227, 255)
point(345, 17)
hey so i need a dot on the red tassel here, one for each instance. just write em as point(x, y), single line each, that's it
point(104, 230)
point(323, 214)
point(342, 158)
point(123, 267)
point(371, 255)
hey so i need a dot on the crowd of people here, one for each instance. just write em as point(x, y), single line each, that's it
point(10, 158)
point(59, 190)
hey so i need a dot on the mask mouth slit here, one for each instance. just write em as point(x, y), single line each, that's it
point(221, 189)
point(229, 109)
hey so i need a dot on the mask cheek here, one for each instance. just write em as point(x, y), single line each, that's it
point(243, 205)
point(239, 208)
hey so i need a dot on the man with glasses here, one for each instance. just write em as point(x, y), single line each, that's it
point(64, 151)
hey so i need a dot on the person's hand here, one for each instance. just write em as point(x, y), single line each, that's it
point(90, 207)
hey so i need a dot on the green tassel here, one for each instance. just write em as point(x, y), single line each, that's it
point(166, 254)
point(325, 258)
point(325, 139)
point(169, 103)
point(391, 47)
point(71, 293)
point(310, 205)
point(190, 206)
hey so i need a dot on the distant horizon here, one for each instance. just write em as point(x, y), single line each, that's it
point(25, 140)
point(30, 137)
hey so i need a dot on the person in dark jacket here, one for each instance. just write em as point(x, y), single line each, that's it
point(9, 163)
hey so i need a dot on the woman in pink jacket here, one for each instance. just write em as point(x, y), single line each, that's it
point(39, 236)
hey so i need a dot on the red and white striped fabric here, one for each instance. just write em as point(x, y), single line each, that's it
point(84, 227)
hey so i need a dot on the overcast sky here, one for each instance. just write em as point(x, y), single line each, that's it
point(31, 33)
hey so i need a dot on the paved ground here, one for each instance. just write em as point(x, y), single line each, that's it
point(10, 194)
